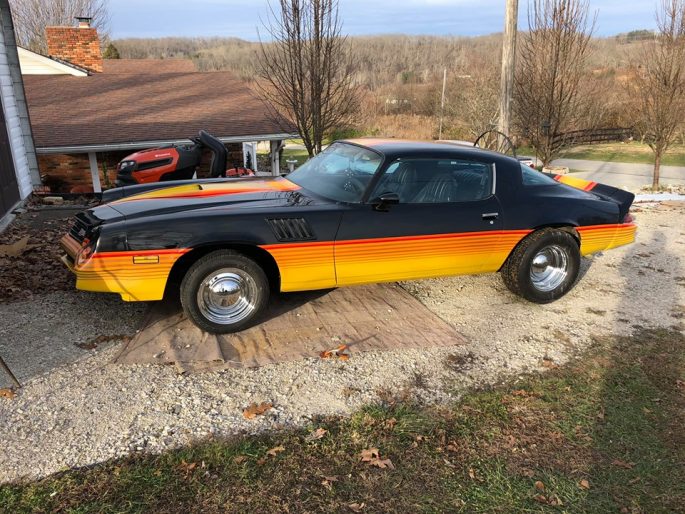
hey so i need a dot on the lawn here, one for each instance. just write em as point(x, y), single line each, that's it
point(603, 434)
point(633, 152)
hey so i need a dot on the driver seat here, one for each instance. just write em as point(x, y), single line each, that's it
point(217, 166)
point(441, 189)
point(403, 181)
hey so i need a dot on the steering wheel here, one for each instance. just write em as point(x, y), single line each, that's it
point(353, 185)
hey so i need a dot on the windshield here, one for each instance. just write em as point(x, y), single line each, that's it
point(340, 173)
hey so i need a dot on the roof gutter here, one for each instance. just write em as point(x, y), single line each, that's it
point(134, 145)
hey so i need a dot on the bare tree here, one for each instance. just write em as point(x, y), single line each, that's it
point(306, 70)
point(32, 16)
point(660, 82)
point(551, 67)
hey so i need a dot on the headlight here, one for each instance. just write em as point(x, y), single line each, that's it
point(127, 165)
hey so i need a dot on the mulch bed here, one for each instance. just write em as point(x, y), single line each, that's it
point(38, 269)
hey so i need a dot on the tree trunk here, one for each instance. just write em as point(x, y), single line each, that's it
point(657, 167)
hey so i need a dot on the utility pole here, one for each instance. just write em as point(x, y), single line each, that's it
point(508, 65)
point(442, 101)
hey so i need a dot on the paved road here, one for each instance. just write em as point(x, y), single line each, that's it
point(621, 174)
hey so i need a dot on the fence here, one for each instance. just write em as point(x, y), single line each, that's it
point(604, 135)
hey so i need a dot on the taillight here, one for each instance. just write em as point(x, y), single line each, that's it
point(628, 218)
point(87, 249)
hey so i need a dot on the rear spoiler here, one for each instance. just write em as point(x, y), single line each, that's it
point(623, 198)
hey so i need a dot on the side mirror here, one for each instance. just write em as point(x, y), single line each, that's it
point(384, 200)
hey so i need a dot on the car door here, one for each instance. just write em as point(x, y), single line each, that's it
point(447, 222)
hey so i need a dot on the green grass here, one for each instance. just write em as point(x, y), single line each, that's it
point(613, 418)
point(633, 152)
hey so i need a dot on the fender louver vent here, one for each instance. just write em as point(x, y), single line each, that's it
point(290, 229)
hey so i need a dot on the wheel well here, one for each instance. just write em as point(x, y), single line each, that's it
point(565, 227)
point(260, 256)
point(559, 226)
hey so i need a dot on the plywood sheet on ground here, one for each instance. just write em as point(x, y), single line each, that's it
point(295, 326)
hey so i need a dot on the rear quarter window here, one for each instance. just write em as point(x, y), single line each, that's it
point(532, 177)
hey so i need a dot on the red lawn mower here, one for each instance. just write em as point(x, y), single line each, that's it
point(176, 162)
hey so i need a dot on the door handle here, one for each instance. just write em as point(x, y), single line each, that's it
point(490, 216)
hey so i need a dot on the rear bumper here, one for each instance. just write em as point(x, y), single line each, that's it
point(136, 276)
point(597, 238)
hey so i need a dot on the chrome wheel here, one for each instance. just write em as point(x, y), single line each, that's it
point(549, 268)
point(227, 296)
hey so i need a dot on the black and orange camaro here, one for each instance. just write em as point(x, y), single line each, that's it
point(362, 211)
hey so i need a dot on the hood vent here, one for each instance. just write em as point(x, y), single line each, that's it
point(291, 229)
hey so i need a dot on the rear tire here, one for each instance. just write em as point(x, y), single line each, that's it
point(544, 266)
point(224, 292)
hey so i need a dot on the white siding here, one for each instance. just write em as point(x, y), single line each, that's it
point(16, 135)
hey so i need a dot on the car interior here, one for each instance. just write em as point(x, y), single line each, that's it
point(436, 181)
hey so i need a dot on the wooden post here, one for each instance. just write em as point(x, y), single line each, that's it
point(508, 66)
point(276, 157)
point(442, 101)
point(94, 172)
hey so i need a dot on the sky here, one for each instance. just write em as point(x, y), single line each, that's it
point(242, 18)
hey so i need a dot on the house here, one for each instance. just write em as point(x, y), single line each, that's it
point(88, 113)
point(18, 166)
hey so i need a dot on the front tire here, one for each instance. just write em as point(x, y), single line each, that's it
point(544, 266)
point(224, 292)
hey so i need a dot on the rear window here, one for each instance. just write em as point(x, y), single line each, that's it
point(532, 177)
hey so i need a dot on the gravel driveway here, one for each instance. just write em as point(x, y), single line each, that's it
point(89, 410)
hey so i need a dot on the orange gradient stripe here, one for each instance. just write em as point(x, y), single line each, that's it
point(209, 190)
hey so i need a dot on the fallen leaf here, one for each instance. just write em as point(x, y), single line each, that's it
point(373, 458)
point(548, 362)
point(370, 454)
point(336, 353)
point(520, 392)
point(527, 472)
point(187, 467)
point(539, 485)
point(275, 451)
point(17, 248)
point(472, 473)
point(622, 464)
point(261, 461)
point(584, 484)
point(327, 482)
point(390, 423)
point(6, 392)
point(254, 410)
point(554, 500)
point(540, 498)
point(382, 463)
point(356, 507)
point(240, 459)
point(316, 434)
point(634, 480)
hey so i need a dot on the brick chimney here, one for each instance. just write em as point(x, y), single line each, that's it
point(78, 45)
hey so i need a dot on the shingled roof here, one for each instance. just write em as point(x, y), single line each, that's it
point(156, 66)
point(123, 107)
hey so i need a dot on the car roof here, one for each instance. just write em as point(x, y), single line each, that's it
point(401, 148)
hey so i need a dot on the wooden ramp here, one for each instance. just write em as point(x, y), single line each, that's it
point(295, 326)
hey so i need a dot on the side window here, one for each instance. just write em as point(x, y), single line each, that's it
point(532, 177)
point(436, 181)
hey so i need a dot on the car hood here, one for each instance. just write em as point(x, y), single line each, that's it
point(234, 194)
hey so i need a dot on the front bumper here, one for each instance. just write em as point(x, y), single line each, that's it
point(136, 276)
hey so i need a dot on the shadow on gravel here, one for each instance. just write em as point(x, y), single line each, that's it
point(638, 438)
